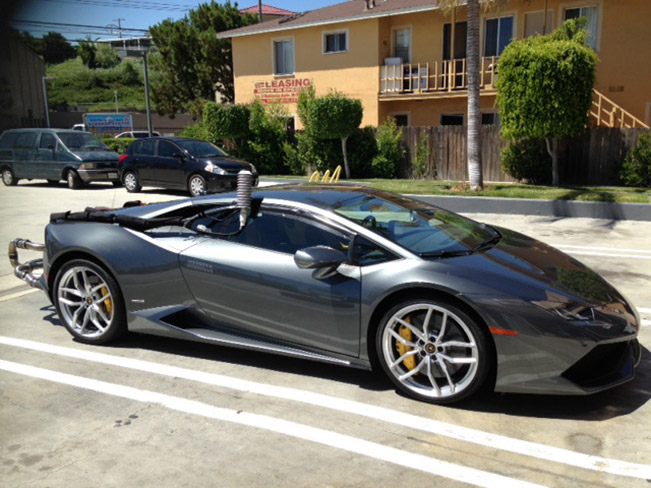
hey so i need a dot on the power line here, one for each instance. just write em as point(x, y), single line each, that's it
point(38, 23)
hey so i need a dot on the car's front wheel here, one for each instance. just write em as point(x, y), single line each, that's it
point(73, 180)
point(196, 185)
point(433, 351)
point(131, 182)
point(89, 303)
point(8, 177)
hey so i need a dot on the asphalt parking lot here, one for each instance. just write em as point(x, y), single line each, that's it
point(153, 411)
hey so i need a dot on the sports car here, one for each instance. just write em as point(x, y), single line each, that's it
point(443, 305)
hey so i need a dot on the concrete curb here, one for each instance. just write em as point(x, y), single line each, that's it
point(550, 208)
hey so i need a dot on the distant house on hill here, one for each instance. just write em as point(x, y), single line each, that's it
point(268, 12)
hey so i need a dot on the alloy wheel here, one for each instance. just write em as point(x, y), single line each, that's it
point(196, 185)
point(430, 351)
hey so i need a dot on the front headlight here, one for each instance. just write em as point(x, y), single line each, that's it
point(213, 168)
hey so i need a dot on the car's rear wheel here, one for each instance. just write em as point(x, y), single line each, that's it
point(131, 182)
point(433, 351)
point(73, 180)
point(89, 302)
point(196, 185)
point(8, 177)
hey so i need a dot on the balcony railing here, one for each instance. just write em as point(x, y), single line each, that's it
point(606, 113)
point(437, 77)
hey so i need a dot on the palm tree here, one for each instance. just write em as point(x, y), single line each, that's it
point(473, 137)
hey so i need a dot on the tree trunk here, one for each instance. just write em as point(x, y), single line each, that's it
point(343, 149)
point(474, 114)
point(552, 150)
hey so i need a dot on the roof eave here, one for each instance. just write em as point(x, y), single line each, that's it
point(354, 18)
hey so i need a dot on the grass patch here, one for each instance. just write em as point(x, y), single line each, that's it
point(509, 190)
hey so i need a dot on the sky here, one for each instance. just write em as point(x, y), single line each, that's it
point(134, 14)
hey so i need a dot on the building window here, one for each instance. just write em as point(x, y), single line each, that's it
point(452, 119)
point(534, 23)
point(402, 120)
point(498, 35)
point(402, 44)
point(335, 42)
point(590, 13)
point(284, 57)
point(490, 118)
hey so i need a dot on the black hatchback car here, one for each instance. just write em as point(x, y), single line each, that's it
point(181, 164)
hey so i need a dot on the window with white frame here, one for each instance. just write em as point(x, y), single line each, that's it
point(590, 14)
point(284, 57)
point(498, 33)
point(335, 42)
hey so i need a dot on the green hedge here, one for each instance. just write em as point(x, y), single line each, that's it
point(118, 145)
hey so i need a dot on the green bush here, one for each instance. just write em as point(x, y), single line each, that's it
point(227, 121)
point(292, 159)
point(527, 159)
point(362, 148)
point(118, 145)
point(636, 170)
point(198, 131)
point(267, 134)
point(390, 150)
point(422, 156)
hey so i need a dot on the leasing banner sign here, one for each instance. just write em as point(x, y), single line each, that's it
point(108, 124)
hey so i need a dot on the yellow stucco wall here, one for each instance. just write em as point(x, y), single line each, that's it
point(355, 72)
point(623, 48)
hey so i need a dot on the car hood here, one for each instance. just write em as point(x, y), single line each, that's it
point(97, 155)
point(520, 267)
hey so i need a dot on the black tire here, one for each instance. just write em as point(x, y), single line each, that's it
point(427, 366)
point(52, 182)
point(8, 177)
point(73, 180)
point(131, 182)
point(89, 302)
point(196, 185)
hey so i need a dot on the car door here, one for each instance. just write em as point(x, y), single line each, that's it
point(249, 281)
point(145, 161)
point(170, 168)
point(47, 166)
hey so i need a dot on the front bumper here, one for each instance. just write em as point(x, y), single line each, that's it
point(89, 175)
point(216, 183)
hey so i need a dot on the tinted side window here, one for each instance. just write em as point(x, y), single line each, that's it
point(167, 149)
point(8, 140)
point(144, 148)
point(365, 253)
point(25, 140)
point(48, 140)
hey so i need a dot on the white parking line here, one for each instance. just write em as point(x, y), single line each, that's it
point(532, 449)
point(301, 431)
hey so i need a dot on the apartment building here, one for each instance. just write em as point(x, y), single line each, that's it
point(407, 59)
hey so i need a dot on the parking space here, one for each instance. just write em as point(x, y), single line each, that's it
point(149, 410)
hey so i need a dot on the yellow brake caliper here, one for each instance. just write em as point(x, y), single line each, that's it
point(405, 333)
point(108, 303)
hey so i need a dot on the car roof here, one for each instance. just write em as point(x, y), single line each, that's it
point(31, 129)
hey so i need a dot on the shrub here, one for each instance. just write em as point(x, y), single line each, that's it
point(292, 160)
point(362, 148)
point(421, 160)
point(636, 170)
point(227, 121)
point(267, 134)
point(390, 150)
point(198, 131)
point(118, 145)
point(527, 159)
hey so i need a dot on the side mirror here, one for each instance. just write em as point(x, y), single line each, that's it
point(179, 156)
point(319, 257)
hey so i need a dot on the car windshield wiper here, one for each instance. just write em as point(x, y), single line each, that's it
point(446, 254)
point(488, 243)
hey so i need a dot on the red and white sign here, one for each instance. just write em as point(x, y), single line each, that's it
point(280, 91)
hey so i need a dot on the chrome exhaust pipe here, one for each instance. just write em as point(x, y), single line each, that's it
point(25, 271)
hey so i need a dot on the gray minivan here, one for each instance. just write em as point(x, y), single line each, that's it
point(54, 155)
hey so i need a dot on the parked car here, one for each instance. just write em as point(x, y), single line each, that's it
point(136, 134)
point(54, 155)
point(346, 275)
point(178, 163)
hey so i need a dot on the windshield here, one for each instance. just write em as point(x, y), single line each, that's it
point(421, 228)
point(201, 149)
point(81, 140)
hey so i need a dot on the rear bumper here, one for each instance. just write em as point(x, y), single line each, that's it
point(88, 175)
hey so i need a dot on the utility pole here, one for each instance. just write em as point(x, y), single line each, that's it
point(260, 10)
point(115, 92)
point(119, 21)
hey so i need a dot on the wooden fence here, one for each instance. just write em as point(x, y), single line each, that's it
point(593, 158)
